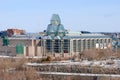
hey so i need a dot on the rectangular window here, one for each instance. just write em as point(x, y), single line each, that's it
point(84, 44)
point(57, 46)
point(74, 45)
point(79, 45)
point(66, 46)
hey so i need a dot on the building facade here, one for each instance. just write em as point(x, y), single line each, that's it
point(60, 42)
point(75, 44)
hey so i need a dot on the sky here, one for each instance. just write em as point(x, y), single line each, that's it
point(76, 15)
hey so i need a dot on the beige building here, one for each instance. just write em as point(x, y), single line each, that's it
point(34, 49)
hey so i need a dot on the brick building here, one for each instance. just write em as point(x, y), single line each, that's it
point(11, 32)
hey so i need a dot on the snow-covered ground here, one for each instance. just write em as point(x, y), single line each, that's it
point(103, 63)
point(79, 74)
point(3, 56)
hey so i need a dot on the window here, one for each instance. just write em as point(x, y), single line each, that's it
point(84, 44)
point(93, 43)
point(66, 46)
point(88, 44)
point(74, 45)
point(79, 45)
point(57, 46)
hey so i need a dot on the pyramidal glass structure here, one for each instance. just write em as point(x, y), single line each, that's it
point(55, 29)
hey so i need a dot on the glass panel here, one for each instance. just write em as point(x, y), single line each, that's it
point(57, 46)
point(74, 45)
point(79, 45)
point(93, 43)
point(49, 45)
point(84, 44)
point(66, 46)
point(88, 44)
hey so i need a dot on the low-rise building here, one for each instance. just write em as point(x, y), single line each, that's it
point(11, 32)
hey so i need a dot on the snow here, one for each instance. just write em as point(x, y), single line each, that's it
point(2, 56)
point(104, 63)
point(79, 74)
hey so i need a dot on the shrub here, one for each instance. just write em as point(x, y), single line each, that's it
point(10, 67)
point(97, 54)
point(48, 59)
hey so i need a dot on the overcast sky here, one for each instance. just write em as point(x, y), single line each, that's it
point(76, 15)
